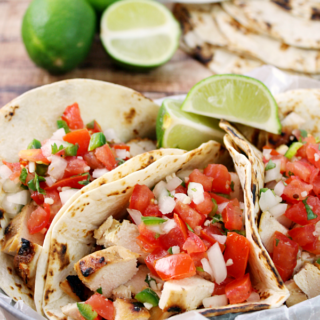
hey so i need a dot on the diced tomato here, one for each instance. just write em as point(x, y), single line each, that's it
point(239, 290)
point(175, 266)
point(284, 252)
point(181, 225)
point(72, 182)
point(219, 199)
point(189, 215)
point(313, 247)
point(221, 178)
point(15, 168)
point(303, 235)
point(96, 127)
point(174, 237)
point(147, 239)
point(155, 255)
point(199, 177)
point(181, 189)
point(237, 249)
point(284, 273)
point(194, 244)
point(141, 198)
point(103, 307)
point(303, 170)
point(37, 197)
point(232, 216)
point(298, 212)
point(34, 155)
point(283, 162)
point(221, 288)
point(152, 210)
point(294, 189)
point(205, 207)
point(105, 156)
point(302, 152)
point(81, 137)
point(72, 116)
point(316, 185)
point(313, 154)
point(208, 233)
point(92, 161)
point(74, 167)
point(121, 146)
point(197, 257)
point(38, 220)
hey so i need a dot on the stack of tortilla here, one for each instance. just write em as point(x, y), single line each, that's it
point(237, 36)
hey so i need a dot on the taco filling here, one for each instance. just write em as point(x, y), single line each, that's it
point(290, 222)
point(187, 236)
point(49, 173)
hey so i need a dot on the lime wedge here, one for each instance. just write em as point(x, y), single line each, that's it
point(235, 98)
point(183, 130)
point(139, 33)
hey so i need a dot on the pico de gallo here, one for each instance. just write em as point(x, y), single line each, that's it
point(290, 223)
point(188, 231)
point(51, 171)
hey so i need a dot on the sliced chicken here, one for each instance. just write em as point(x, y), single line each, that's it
point(71, 310)
point(296, 295)
point(25, 261)
point(127, 309)
point(108, 269)
point(157, 314)
point(308, 280)
point(139, 145)
point(119, 234)
point(17, 229)
point(185, 294)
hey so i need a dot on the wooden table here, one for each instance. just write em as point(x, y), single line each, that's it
point(18, 73)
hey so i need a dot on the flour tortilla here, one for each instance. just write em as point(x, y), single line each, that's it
point(264, 16)
point(34, 115)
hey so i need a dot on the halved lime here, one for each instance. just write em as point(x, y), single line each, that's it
point(139, 33)
point(235, 98)
point(183, 130)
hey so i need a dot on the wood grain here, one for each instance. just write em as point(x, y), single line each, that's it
point(18, 74)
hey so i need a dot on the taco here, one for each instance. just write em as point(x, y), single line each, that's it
point(166, 257)
point(50, 157)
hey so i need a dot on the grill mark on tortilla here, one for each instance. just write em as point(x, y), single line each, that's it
point(54, 316)
point(47, 293)
point(284, 47)
point(284, 4)
point(129, 116)
point(9, 270)
point(136, 132)
point(11, 113)
point(18, 285)
point(60, 253)
point(235, 309)
point(315, 14)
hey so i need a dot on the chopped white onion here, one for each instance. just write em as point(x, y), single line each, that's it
point(184, 174)
point(5, 172)
point(304, 193)
point(168, 225)
point(278, 189)
point(21, 197)
point(241, 205)
point(50, 181)
point(215, 301)
point(148, 305)
point(110, 135)
point(221, 207)
point(157, 228)
point(175, 250)
point(47, 147)
point(206, 267)
point(135, 215)
point(32, 167)
point(65, 188)
point(182, 198)
point(97, 173)
point(166, 204)
point(274, 174)
point(267, 154)
point(11, 186)
point(158, 189)
point(121, 153)
point(267, 200)
point(174, 183)
point(196, 192)
point(48, 201)
point(67, 194)
point(282, 149)
point(278, 210)
point(254, 297)
point(217, 263)
point(9, 207)
point(220, 238)
point(57, 167)
point(229, 262)
point(59, 134)
point(316, 233)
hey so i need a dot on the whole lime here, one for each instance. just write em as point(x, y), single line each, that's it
point(101, 5)
point(58, 34)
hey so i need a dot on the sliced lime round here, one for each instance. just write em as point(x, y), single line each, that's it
point(235, 98)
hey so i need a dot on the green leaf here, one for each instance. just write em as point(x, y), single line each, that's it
point(290, 173)
point(277, 242)
point(99, 290)
point(149, 296)
point(90, 125)
point(86, 311)
point(183, 184)
point(97, 140)
point(71, 150)
point(270, 165)
point(64, 125)
point(152, 220)
point(170, 250)
point(189, 228)
point(199, 269)
point(157, 235)
point(34, 144)
point(310, 213)
point(241, 232)
point(55, 149)
point(170, 194)
point(23, 175)
point(223, 195)
point(32, 185)
point(148, 279)
point(120, 161)
point(85, 182)
point(217, 218)
point(232, 185)
point(304, 133)
point(214, 208)
point(318, 261)
point(262, 190)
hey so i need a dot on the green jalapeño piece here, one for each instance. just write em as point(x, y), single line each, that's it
point(97, 140)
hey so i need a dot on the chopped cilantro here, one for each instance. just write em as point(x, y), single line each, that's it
point(270, 165)
point(277, 242)
point(170, 194)
point(99, 290)
point(120, 161)
point(304, 133)
point(170, 250)
point(34, 144)
point(318, 261)
point(183, 184)
point(71, 150)
point(85, 182)
point(217, 218)
point(214, 208)
point(223, 195)
point(199, 269)
point(63, 124)
point(189, 228)
point(55, 148)
point(157, 235)
point(284, 183)
point(90, 125)
point(148, 279)
point(232, 185)
point(310, 213)
point(34, 184)
point(241, 232)
point(291, 174)
point(23, 175)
